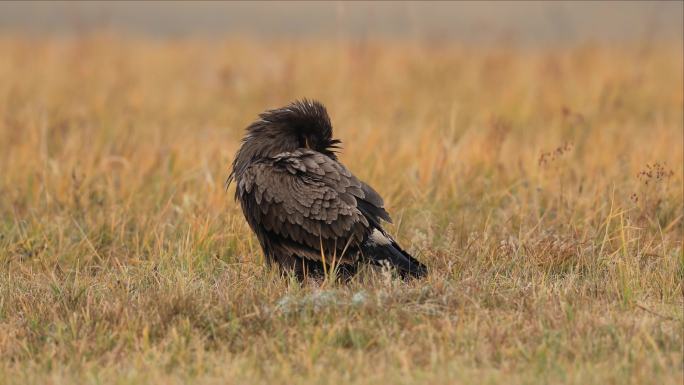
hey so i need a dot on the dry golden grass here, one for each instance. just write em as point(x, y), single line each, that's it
point(543, 187)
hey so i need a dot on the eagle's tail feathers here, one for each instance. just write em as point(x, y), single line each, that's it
point(382, 249)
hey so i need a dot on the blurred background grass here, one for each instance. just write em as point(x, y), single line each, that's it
point(530, 153)
point(525, 22)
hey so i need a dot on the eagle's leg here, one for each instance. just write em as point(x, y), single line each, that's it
point(301, 267)
point(308, 268)
point(304, 268)
point(345, 272)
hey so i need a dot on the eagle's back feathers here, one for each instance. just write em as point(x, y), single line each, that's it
point(302, 203)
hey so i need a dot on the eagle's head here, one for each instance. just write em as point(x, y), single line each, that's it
point(301, 124)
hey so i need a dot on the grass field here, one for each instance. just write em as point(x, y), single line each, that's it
point(542, 187)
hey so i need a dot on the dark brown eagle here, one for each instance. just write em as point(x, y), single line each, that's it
point(310, 214)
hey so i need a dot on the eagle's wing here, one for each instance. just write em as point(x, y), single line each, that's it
point(304, 199)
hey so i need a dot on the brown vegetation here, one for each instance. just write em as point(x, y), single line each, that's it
point(543, 188)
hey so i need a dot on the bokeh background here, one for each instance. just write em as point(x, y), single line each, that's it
point(476, 22)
